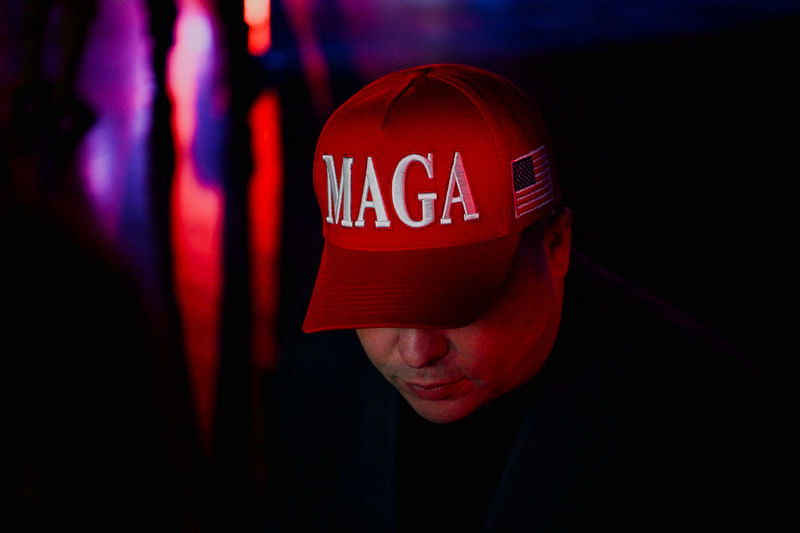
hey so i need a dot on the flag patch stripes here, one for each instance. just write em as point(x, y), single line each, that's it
point(533, 186)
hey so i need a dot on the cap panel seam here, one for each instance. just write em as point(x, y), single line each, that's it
point(491, 126)
point(395, 99)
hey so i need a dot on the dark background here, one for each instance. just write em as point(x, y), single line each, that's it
point(674, 126)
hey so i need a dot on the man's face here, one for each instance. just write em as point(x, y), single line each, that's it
point(446, 374)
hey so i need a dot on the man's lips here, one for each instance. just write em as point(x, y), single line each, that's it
point(432, 390)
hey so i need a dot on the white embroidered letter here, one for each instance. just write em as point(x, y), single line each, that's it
point(459, 177)
point(337, 191)
point(371, 186)
point(399, 191)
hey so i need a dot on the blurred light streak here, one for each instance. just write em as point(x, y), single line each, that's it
point(265, 197)
point(115, 79)
point(300, 14)
point(197, 212)
point(257, 17)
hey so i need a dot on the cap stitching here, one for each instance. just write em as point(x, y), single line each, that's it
point(410, 84)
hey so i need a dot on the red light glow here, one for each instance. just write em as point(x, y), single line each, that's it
point(265, 198)
point(196, 216)
point(257, 17)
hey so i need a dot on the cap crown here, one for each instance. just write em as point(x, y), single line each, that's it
point(431, 157)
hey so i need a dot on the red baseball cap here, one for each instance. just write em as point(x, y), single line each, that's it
point(425, 179)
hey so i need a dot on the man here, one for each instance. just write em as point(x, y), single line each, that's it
point(513, 385)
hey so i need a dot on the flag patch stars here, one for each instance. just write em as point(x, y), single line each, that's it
point(533, 186)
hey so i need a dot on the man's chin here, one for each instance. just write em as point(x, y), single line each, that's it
point(442, 411)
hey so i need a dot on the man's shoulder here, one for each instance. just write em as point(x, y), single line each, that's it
point(608, 309)
point(668, 399)
point(660, 362)
point(664, 379)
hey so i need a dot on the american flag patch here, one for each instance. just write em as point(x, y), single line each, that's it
point(533, 187)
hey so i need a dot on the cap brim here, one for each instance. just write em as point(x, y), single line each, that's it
point(441, 288)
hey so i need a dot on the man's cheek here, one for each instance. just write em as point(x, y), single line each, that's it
point(387, 371)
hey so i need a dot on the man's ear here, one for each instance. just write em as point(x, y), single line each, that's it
point(557, 241)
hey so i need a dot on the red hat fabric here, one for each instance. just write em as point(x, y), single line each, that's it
point(425, 179)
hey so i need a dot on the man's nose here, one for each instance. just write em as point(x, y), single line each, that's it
point(421, 347)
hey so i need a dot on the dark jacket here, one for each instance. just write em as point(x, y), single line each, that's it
point(640, 420)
